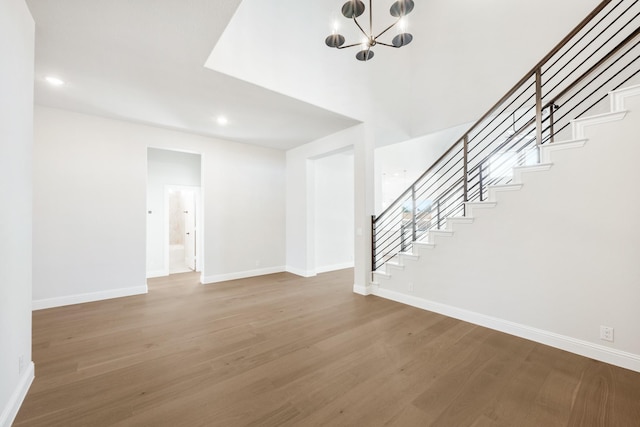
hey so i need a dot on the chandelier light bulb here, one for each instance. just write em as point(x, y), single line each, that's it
point(54, 81)
point(402, 25)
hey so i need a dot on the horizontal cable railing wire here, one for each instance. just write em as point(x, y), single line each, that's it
point(600, 55)
point(420, 208)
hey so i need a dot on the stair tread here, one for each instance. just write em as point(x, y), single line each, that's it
point(443, 232)
point(511, 184)
point(505, 186)
point(597, 117)
point(460, 218)
point(541, 166)
point(408, 255)
point(481, 204)
point(567, 142)
point(423, 243)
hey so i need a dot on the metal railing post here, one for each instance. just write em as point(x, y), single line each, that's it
point(538, 107)
point(413, 214)
point(480, 182)
point(373, 243)
point(465, 173)
point(552, 108)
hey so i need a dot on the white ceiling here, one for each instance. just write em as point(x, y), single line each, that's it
point(143, 61)
point(268, 70)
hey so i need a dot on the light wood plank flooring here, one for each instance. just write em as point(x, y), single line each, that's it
point(279, 350)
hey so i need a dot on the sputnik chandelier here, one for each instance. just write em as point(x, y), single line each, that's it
point(352, 9)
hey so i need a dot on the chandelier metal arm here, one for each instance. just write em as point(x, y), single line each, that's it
point(388, 28)
point(389, 45)
point(349, 45)
point(361, 29)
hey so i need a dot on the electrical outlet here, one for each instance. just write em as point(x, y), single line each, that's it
point(606, 333)
point(410, 286)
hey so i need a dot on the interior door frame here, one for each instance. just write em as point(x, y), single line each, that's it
point(198, 228)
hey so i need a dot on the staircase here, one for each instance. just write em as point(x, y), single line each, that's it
point(550, 257)
point(527, 224)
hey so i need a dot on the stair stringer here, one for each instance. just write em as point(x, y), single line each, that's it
point(554, 260)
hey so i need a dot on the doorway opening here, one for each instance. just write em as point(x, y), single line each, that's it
point(333, 210)
point(174, 212)
point(182, 228)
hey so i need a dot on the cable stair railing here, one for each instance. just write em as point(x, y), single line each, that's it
point(600, 55)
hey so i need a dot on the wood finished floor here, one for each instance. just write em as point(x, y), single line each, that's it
point(279, 350)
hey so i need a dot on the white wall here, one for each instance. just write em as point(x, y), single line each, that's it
point(333, 202)
point(552, 261)
point(90, 206)
point(165, 167)
point(16, 136)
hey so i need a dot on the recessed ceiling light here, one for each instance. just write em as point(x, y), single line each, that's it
point(54, 81)
point(222, 120)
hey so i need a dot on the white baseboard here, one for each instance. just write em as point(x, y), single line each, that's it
point(300, 272)
point(10, 411)
point(157, 273)
point(88, 297)
point(334, 267)
point(584, 348)
point(362, 290)
point(240, 275)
